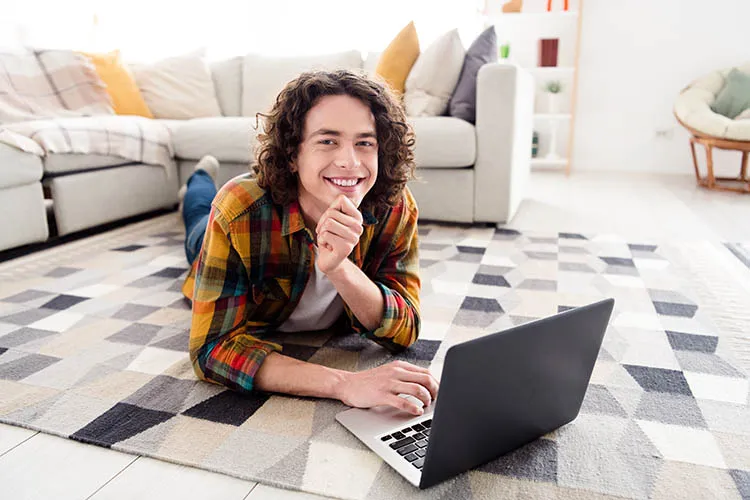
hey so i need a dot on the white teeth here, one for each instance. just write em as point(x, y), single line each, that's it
point(345, 182)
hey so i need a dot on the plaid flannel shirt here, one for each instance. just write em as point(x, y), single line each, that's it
point(255, 262)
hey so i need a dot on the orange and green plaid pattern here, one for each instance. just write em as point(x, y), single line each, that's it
point(255, 262)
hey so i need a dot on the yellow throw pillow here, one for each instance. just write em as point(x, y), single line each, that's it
point(121, 86)
point(397, 59)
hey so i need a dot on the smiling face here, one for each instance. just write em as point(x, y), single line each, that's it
point(338, 154)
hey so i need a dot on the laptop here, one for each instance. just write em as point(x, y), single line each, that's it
point(497, 393)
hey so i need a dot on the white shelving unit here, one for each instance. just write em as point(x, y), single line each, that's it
point(546, 162)
point(522, 31)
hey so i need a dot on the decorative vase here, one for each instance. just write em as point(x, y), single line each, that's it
point(535, 144)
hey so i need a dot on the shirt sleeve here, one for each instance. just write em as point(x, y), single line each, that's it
point(224, 345)
point(398, 279)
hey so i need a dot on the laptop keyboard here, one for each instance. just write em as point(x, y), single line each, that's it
point(411, 442)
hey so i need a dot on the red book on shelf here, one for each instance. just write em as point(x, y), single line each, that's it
point(548, 51)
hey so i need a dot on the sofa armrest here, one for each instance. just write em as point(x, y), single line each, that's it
point(504, 128)
point(17, 167)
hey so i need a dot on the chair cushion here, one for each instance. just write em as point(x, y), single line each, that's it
point(734, 97)
point(231, 139)
point(443, 142)
point(18, 168)
point(693, 108)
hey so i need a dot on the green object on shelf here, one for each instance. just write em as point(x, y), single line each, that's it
point(554, 86)
point(535, 144)
point(505, 50)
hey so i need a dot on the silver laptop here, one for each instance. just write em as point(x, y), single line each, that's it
point(497, 393)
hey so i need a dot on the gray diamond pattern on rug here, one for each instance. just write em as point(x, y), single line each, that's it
point(101, 356)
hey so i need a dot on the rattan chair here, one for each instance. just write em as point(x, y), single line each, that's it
point(714, 131)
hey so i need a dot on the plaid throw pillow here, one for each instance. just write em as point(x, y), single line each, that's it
point(49, 84)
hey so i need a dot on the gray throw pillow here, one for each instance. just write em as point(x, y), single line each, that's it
point(464, 99)
point(734, 98)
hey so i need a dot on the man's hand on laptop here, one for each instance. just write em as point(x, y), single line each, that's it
point(382, 386)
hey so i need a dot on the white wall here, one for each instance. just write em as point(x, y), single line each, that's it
point(147, 30)
point(636, 55)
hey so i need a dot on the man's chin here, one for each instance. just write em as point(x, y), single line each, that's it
point(356, 198)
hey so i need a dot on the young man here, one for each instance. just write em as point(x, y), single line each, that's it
point(326, 231)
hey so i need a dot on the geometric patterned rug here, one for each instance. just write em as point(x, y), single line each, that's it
point(95, 350)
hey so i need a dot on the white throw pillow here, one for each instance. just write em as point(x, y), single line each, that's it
point(370, 63)
point(434, 76)
point(178, 87)
point(263, 77)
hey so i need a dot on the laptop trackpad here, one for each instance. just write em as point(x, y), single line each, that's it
point(381, 419)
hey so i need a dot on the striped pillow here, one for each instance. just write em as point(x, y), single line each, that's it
point(75, 81)
point(49, 84)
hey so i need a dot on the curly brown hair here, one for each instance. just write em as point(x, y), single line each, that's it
point(284, 126)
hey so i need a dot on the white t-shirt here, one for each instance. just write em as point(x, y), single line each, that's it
point(319, 307)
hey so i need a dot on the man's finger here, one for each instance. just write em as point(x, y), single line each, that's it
point(344, 204)
point(331, 217)
point(426, 380)
point(332, 242)
point(410, 366)
point(336, 227)
point(412, 389)
point(404, 404)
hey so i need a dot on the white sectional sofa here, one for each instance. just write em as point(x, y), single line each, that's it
point(467, 173)
point(22, 212)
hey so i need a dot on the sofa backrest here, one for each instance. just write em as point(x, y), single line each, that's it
point(227, 76)
point(263, 77)
point(249, 84)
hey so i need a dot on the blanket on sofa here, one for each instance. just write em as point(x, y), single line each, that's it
point(52, 101)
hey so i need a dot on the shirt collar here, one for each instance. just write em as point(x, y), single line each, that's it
point(292, 219)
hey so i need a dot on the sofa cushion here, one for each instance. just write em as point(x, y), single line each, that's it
point(443, 142)
point(121, 87)
point(434, 76)
point(64, 163)
point(483, 50)
point(178, 87)
point(50, 83)
point(227, 76)
point(398, 58)
point(230, 139)
point(56, 163)
point(264, 77)
point(370, 64)
point(18, 168)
